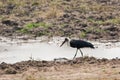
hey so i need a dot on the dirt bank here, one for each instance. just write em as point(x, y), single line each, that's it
point(87, 68)
point(96, 19)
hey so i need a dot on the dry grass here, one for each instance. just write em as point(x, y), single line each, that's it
point(56, 8)
point(51, 10)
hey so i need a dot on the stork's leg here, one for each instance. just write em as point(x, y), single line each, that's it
point(81, 52)
point(75, 54)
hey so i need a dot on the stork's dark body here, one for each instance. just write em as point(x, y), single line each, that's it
point(80, 44)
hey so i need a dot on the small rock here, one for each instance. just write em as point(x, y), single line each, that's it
point(10, 71)
point(9, 23)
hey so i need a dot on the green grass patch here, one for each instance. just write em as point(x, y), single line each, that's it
point(31, 26)
point(101, 22)
point(35, 25)
point(94, 30)
point(83, 34)
point(114, 21)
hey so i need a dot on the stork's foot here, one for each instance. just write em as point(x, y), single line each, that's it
point(78, 60)
point(73, 61)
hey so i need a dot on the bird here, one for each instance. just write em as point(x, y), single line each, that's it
point(78, 44)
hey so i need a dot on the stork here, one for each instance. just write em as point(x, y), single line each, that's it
point(78, 44)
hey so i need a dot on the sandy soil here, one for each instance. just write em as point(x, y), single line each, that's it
point(87, 68)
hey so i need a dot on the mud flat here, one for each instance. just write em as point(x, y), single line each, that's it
point(45, 60)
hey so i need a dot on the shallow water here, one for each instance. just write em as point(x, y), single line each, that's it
point(12, 51)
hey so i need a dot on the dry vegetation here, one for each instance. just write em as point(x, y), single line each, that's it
point(96, 19)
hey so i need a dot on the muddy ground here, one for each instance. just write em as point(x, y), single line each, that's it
point(87, 68)
point(96, 19)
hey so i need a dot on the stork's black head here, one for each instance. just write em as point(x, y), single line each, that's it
point(66, 40)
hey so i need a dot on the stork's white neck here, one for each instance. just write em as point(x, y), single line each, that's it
point(68, 43)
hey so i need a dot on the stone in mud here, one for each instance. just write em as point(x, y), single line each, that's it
point(66, 15)
point(3, 65)
point(10, 6)
point(10, 71)
point(9, 23)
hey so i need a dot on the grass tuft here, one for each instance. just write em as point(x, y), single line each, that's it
point(31, 26)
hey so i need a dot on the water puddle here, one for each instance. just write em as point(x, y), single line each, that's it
point(12, 51)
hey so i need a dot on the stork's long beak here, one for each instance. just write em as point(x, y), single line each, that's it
point(62, 43)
